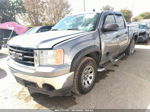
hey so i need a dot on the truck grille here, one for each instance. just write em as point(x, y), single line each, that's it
point(24, 56)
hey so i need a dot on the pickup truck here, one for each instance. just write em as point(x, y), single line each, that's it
point(67, 59)
point(144, 32)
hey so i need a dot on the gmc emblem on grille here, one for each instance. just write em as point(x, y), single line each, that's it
point(16, 55)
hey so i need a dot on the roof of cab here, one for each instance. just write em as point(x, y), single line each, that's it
point(112, 12)
point(107, 11)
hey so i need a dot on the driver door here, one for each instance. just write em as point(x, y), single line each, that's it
point(110, 41)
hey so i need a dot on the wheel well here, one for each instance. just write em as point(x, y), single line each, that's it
point(95, 56)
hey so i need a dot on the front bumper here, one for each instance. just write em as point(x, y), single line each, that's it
point(142, 39)
point(40, 81)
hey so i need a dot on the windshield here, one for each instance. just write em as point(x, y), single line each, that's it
point(143, 26)
point(85, 22)
point(32, 30)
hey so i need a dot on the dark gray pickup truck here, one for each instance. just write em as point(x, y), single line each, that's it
point(67, 58)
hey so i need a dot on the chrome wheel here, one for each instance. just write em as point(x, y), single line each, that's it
point(87, 76)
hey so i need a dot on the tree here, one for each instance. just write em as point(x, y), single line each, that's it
point(136, 19)
point(127, 14)
point(56, 9)
point(145, 15)
point(107, 7)
point(34, 12)
point(9, 9)
point(39, 12)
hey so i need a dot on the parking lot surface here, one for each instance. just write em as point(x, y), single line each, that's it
point(126, 85)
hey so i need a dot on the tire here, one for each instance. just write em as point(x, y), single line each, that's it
point(146, 41)
point(0, 47)
point(131, 49)
point(85, 76)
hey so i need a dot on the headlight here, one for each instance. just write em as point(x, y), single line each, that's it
point(51, 57)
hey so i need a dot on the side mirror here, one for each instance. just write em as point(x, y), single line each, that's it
point(110, 27)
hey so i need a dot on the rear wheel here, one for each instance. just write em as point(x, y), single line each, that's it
point(147, 38)
point(131, 48)
point(146, 41)
point(85, 75)
point(0, 47)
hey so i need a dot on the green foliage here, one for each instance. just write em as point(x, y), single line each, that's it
point(145, 15)
point(127, 14)
point(136, 19)
point(107, 7)
point(9, 9)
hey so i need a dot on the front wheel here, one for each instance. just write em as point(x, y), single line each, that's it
point(131, 49)
point(85, 76)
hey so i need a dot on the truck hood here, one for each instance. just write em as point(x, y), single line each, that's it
point(43, 40)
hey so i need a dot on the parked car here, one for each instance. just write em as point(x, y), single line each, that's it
point(66, 59)
point(38, 29)
point(134, 28)
point(147, 21)
point(5, 35)
point(144, 32)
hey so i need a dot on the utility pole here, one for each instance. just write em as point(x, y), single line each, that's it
point(84, 5)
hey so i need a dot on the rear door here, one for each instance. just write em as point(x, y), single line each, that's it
point(122, 33)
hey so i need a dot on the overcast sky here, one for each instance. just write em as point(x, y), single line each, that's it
point(137, 6)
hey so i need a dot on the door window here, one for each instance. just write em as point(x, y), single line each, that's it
point(120, 21)
point(110, 19)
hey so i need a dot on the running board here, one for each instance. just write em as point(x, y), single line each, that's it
point(110, 64)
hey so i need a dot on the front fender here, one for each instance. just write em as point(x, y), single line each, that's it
point(82, 53)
